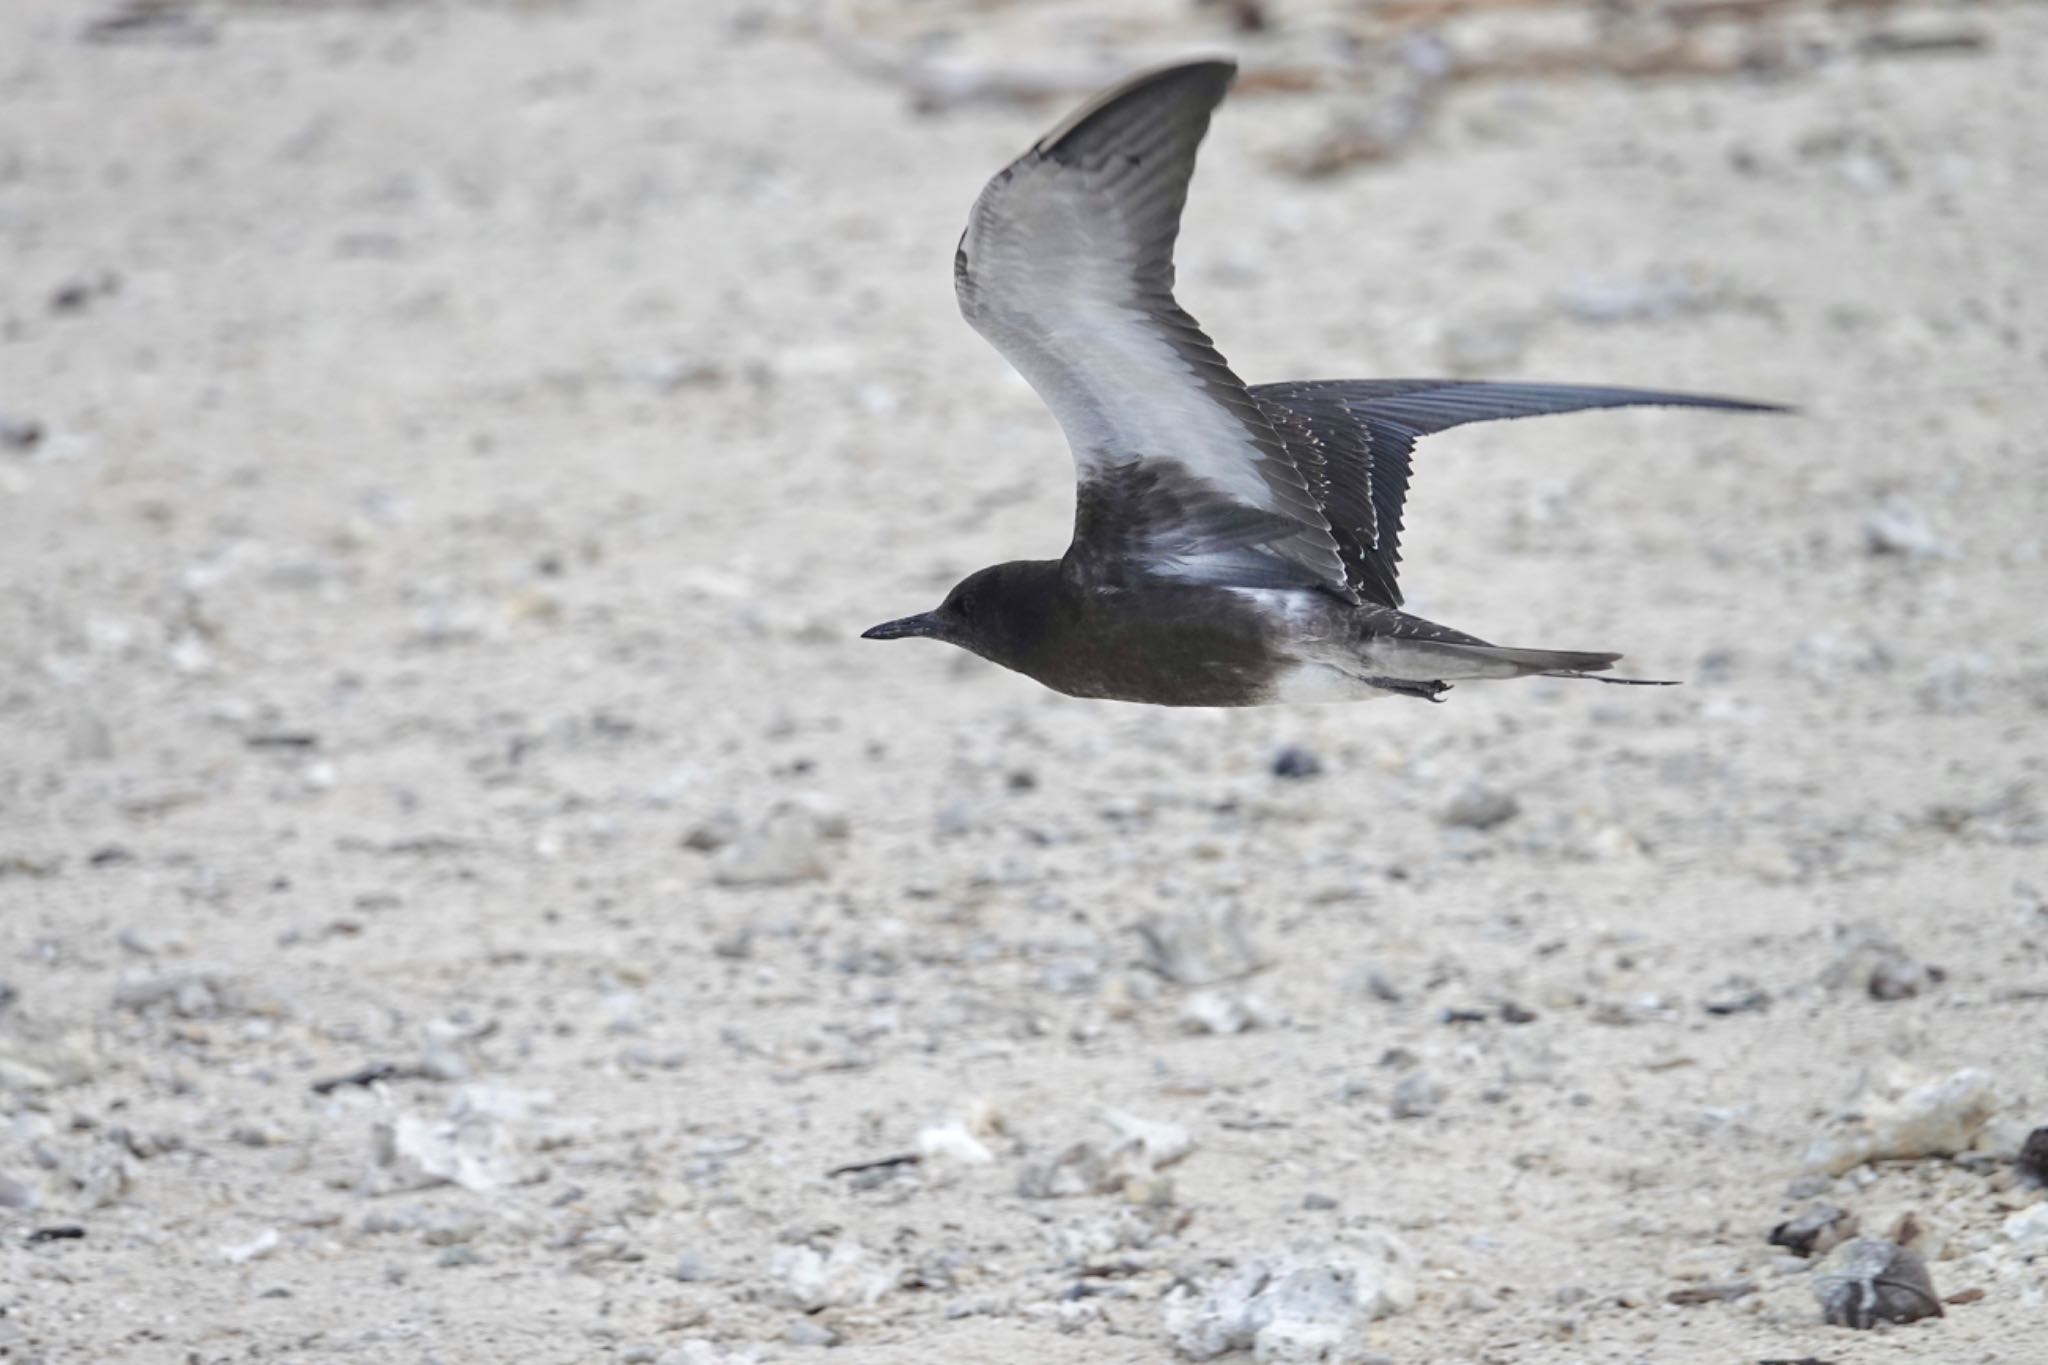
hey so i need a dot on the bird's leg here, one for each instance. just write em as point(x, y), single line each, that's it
point(1408, 687)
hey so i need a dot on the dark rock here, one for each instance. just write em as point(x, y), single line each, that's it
point(1898, 977)
point(20, 433)
point(63, 1232)
point(366, 1076)
point(1739, 997)
point(713, 833)
point(1296, 762)
point(1815, 1231)
point(2033, 1158)
point(1870, 1280)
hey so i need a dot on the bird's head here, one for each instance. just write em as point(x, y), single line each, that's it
point(994, 612)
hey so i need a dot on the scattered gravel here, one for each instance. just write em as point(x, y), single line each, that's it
point(467, 892)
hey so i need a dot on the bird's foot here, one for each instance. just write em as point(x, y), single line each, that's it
point(1408, 687)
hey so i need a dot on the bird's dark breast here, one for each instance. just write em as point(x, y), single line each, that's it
point(1164, 646)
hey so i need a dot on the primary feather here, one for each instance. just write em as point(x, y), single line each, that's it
point(1354, 437)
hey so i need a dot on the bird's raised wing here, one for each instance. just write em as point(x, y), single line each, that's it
point(1353, 437)
point(1067, 267)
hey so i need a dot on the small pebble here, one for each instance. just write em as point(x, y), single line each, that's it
point(1807, 1186)
point(16, 1194)
point(1814, 1231)
point(1416, 1096)
point(1296, 762)
point(1724, 1291)
point(1199, 947)
point(1897, 977)
point(1897, 527)
point(261, 1245)
point(2033, 1158)
point(441, 1062)
point(1479, 807)
point(1219, 1013)
point(1739, 999)
point(788, 846)
point(1372, 982)
point(710, 835)
point(20, 433)
point(805, 1332)
point(2028, 1229)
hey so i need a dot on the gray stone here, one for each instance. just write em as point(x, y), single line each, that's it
point(1199, 947)
point(1869, 1280)
point(1416, 1096)
point(1897, 527)
point(786, 847)
point(806, 1332)
point(17, 1194)
point(1814, 1231)
point(1478, 807)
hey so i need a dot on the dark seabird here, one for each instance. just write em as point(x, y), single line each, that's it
point(1232, 545)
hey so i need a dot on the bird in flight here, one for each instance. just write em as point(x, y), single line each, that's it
point(1233, 545)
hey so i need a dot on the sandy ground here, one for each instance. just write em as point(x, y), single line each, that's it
point(472, 438)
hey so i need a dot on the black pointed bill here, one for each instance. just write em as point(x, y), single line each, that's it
point(924, 623)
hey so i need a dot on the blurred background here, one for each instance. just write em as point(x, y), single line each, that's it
point(466, 892)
